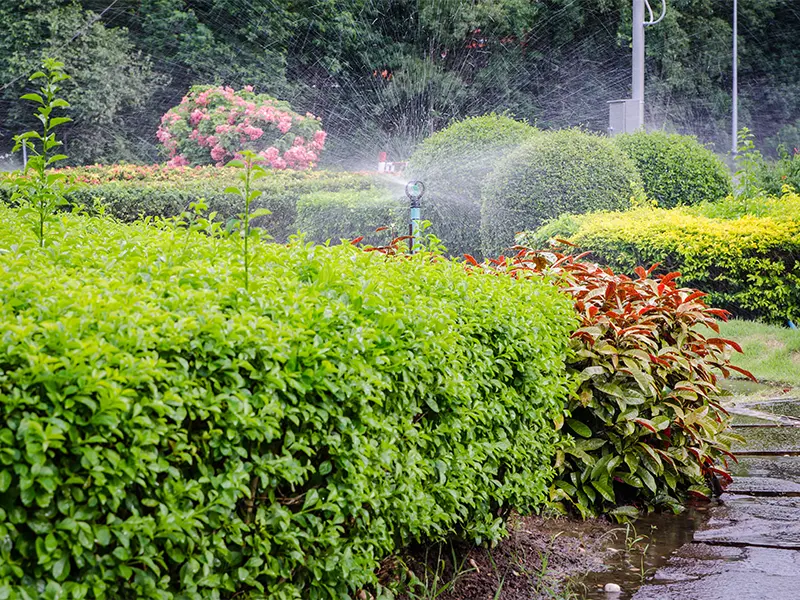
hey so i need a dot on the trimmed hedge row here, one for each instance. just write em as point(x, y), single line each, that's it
point(129, 200)
point(349, 215)
point(167, 435)
point(749, 266)
point(554, 173)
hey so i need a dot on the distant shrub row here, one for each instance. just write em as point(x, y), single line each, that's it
point(490, 177)
point(132, 192)
point(747, 264)
point(165, 434)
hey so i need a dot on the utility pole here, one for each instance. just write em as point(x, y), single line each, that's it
point(637, 88)
point(627, 116)
point(735, 94)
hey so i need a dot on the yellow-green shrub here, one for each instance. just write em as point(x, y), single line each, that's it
point(166, 434)
point(748, 266)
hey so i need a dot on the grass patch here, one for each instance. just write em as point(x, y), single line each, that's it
point(771, 352)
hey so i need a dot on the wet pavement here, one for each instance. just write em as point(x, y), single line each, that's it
point(746, 545)
point(749, 547)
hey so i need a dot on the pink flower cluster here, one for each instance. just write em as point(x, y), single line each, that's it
point(214, 124)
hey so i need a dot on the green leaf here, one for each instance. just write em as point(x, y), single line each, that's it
point(5, 480)
point(604, 487)
point(579, 428)
point(33, 98)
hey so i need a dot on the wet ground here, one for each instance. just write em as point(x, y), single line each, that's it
point(746, 545)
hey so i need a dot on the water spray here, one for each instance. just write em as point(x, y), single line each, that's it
point(414, 190)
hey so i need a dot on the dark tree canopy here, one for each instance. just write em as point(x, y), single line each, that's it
point(385, 73)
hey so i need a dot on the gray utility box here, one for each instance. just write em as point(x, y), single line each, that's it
point(625, 116)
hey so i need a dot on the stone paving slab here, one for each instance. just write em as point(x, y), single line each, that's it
point(763, 486)
point(781, 467)
point(714, 573)
point(753, 521)
point(762, 439)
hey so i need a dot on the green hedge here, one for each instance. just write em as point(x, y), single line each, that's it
point(167, 435)
point(129, 200)
point(348, 215)
point(554, 173)
point(453, 164)
point(676, 170)
point(748, 265)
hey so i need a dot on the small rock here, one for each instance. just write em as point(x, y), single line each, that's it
point(612, 588)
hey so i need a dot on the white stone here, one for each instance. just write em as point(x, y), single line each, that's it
point(612, 588)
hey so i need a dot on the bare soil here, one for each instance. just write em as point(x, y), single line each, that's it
point(535, 561)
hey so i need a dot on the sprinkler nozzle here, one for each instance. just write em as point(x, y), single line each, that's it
point(415, 190)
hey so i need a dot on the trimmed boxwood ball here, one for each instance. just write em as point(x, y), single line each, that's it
point(676, 170)
point(453, 163)
point(551, 174)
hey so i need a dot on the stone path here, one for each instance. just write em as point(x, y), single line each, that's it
point(749, 547)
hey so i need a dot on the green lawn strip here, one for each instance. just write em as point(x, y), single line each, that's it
point(771, 352)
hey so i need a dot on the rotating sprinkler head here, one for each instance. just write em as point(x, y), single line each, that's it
point(414, 190)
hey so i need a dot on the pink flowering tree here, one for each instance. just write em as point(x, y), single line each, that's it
point(213, 125)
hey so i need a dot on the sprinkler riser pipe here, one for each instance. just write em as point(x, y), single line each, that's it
point(414, 190)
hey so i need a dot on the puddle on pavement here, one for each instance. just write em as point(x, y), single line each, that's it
point(758, 409)
point(632, 562)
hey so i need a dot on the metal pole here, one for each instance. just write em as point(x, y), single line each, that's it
point(24, 154)
point(637, 90)
point(735, 115)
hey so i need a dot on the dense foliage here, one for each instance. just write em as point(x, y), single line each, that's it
point(676, 169)
point(748, 265)
point(382, 71)
point(375, 215)
point(166, 192)
point(213, 125)
point(772, 176)
point(166, 434)
point(782, 207)
point(646, 424)
point(567, 171)
point(453, 163)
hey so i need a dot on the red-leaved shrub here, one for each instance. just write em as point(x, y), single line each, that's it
point(645, 425)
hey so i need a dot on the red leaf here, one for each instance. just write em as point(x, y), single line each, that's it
point(356, 241)
point(694, 296)
point(723, 342)
point(747, 374)
point(652, 268)
point(471, 260)
point(667, 279)
point(645, 423)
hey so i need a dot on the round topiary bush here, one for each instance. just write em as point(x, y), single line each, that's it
point(568, 171)
point(676, 169)
point(212, 124)
point(453, 163)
